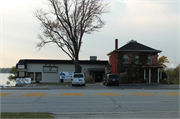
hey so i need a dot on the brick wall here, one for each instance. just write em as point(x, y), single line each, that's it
point(112, 60)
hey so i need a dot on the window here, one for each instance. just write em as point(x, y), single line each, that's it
point(50, 69)
point(78, 75)
point(113, 76)
point(137, 59)
point(38, 76)
point(31, 74)
point(125, 59)
point(21, 74)
point(149, 61)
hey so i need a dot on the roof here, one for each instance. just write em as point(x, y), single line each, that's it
point(43, 61)
point(135, 47)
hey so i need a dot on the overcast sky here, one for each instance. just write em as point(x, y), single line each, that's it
point(154, 23)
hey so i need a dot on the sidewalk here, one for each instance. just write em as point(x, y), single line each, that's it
point(95, 86)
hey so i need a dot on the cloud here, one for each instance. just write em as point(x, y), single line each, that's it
point(148, 15)
point(172, 66)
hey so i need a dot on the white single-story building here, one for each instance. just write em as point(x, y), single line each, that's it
point(48, 71)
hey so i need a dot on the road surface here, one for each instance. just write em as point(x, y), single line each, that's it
point(114, 103)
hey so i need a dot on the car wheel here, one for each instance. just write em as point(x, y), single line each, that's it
point(72, 84)
point(118, 84)
point(83, 84)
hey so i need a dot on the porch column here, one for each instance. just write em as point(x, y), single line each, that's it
point(149, 75)
point(160, 73)
point(144, 74)
point(158, 76)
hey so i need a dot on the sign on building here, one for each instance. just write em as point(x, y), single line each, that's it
point(21, 67)
point(66, 75)
point(26, 80)
point(50, 69)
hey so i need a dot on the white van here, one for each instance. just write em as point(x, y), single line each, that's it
point(78, 79)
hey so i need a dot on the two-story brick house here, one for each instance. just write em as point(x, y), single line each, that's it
point(137, 60)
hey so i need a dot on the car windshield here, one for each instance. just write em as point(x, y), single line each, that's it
point(113, 76)
point(78, 75)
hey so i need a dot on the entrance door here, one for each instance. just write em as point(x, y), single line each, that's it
point(98, 76)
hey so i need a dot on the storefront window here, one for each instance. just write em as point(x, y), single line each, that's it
point(31, 74)
point(38, 76)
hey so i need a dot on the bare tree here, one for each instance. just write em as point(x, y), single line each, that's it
point(67, 21)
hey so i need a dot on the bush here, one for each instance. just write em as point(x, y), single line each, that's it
point(37, 81)
point(147, 80)
point(12, 78)
point(8, 82)
point(88, 79)
point(163, 81)
point(175, 81)
point(143, 81)
point(123, 78)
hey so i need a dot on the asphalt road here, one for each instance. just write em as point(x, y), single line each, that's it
point(89, 103)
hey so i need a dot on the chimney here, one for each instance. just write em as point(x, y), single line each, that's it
point(116, 44)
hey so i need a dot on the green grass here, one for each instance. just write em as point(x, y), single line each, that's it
point(65, 83)
point(25, 115)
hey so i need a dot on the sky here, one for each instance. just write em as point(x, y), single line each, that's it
point(154, 23)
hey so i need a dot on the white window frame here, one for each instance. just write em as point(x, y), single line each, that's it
point(136, 59)
point(149, 58)
point(125, 59)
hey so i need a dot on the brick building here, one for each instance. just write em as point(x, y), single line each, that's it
point(137, 60)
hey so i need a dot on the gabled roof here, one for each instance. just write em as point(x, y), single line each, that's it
point(135, 47)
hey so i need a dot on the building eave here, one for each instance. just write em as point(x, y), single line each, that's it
point(158, 51)
point(49, 61)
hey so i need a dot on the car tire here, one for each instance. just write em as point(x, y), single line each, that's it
point(83, 84)
point(72, 84)
point(118, 84)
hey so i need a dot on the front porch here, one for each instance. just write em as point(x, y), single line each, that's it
point(153, 73)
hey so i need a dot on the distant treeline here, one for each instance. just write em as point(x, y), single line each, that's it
point(4, 70)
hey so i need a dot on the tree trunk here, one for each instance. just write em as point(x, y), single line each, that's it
point(77, 66)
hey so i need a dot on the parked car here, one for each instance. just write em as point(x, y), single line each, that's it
point(111, 79)
point(78, 79)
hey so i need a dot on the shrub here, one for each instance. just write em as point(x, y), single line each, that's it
point(163, 81)
point(123, 78)
point(175, 81)
point(37, 81)
point(147, 80)
point(88, 79)
point(143, 81)
point(130, 81)
point(8, 82)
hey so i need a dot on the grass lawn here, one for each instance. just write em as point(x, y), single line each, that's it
point(65, 83)
point(25, 115)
